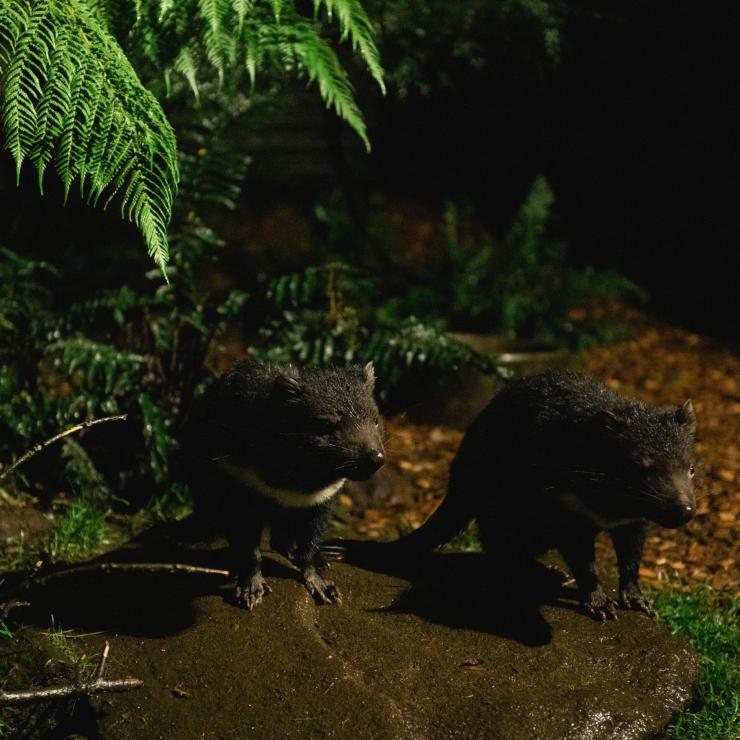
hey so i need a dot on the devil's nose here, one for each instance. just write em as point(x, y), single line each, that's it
point(376, 458)
point(687, 512)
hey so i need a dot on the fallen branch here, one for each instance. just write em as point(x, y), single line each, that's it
point(34, 580)
point(43, 445)
point(9, 698)
point(96, 685)
point(130, 567)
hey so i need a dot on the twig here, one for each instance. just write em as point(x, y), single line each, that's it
point(124, 567)
point(43, 445)
point(82, 688)
point(32, 580)
point(8, 698)
point(103, 658)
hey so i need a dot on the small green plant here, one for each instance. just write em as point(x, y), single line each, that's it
point(711, 623)
point(5, 631)
point(520, 285)
point(59, 640)
point(465, 541)
point(80, 533)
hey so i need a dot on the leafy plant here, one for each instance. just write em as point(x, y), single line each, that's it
point(139, 352)
point(425, 42)
point(520, 285)
point(81, 529)
point(323, 316)
point(82, 84)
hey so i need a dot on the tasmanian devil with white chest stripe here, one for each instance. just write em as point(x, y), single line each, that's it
point(269, 446)
point(553, 460)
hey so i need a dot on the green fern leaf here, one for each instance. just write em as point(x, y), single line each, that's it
point(69, 95)
point(355, 25)
point(318, 61)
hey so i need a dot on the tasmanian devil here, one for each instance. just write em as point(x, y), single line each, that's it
point(550, 462)
point(267, 445)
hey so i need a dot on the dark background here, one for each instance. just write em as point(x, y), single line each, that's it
point(635, 128)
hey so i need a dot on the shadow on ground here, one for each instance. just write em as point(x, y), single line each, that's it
point(433, 658)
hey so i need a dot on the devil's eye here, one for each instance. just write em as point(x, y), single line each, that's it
point(692, 470)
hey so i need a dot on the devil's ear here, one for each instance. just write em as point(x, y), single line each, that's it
point(368, 372)
point(287, 385)
point(686, 416)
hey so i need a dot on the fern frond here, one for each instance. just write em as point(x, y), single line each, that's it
point(69, 95)
point(229, 37)
point(355, 25)
point(99, 366)
point(314, 57)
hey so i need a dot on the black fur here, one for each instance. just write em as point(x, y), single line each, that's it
point(554, 459)
point(297, 432)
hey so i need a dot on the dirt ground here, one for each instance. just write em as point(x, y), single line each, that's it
point(660, 364)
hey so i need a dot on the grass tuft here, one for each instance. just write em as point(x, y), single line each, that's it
point(711, 623)
point(80, 532)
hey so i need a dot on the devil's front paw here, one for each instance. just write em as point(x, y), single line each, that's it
point(632, 598)
point(250, 591)
point(599, 606)
point(321, 588)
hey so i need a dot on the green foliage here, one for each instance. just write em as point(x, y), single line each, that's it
point(69, 94)
point(532, 287)
point(140, 349)
point(427, 43)
point(520, 285)
point(711, 623)
point(136, 351)
point(466, 541)
point(322, 316)
point(79, 534)
point(71, 87)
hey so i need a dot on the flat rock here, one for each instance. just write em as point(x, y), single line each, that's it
point(435, 657)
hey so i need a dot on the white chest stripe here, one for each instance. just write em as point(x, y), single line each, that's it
point(573, 503)
point(285, 497)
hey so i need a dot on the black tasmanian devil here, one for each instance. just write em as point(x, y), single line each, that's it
point(267, 445)
point(550, 462)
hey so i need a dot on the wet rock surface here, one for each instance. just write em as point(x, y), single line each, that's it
point(433, 655)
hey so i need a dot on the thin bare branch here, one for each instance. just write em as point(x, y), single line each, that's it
point(26, 456)
point(9, 698)
point(101, 664)
point(97, 685)
point(131, 567)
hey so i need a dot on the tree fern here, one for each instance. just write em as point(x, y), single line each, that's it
point(70, 96)
point(232, 37)
point(316, 59)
